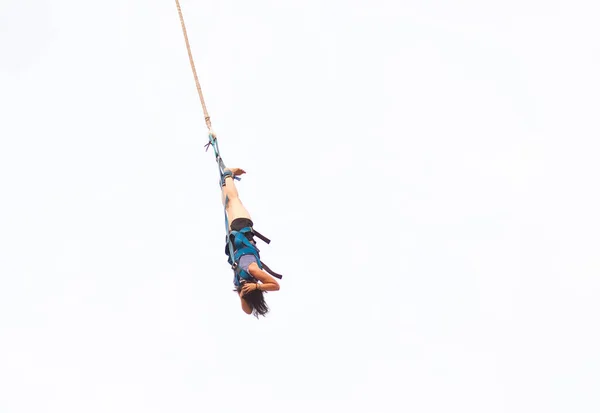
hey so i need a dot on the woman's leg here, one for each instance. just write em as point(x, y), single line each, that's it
point(231, 199)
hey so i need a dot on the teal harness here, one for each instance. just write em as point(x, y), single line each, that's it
point(242, 246)
point(238, 242)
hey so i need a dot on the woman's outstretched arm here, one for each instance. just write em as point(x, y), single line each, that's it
point(268, 283)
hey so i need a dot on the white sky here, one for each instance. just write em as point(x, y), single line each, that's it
point(427, 171)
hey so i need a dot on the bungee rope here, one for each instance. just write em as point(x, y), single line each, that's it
point(189, 51)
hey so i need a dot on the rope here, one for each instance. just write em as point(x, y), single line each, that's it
point(189, 50)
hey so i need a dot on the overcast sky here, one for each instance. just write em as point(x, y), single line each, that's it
point(427, 172)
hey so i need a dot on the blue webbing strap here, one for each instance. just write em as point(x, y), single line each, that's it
point(212, 141)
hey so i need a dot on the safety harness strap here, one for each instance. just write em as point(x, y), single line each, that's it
point(270, 271)
point(262, 237)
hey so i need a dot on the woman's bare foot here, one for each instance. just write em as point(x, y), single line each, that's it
point(235, 171)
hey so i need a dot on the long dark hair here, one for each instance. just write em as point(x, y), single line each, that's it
point(256, 300)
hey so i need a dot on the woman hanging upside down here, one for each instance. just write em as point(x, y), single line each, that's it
point(250, 280)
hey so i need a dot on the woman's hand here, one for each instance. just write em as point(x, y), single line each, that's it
point(248, 287)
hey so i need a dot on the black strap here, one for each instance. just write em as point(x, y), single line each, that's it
point(270, 271)
point(261, 236)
